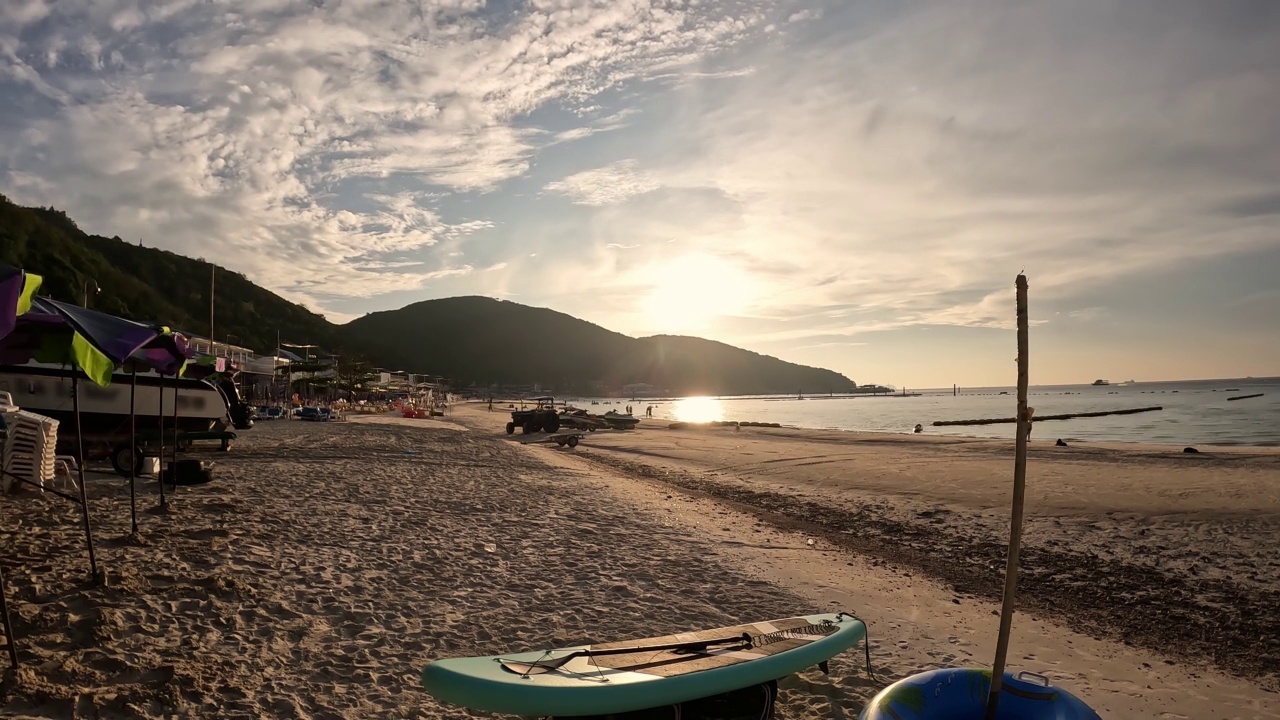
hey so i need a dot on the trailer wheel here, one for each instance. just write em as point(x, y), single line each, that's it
point(120, 457)
point(511, 428)
point(560, 442)
point(573, 441)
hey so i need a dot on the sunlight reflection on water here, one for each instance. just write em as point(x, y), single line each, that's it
point(698, 410)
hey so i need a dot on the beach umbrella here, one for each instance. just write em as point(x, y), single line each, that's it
point(56, 332)
point(100, 342)
point(16, 291)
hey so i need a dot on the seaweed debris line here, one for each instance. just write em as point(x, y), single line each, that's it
point(1039, 418)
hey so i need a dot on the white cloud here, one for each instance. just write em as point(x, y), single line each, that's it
point(946, 150)
point(607, 185)
point(303, 140)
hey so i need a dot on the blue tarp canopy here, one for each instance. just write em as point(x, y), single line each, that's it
point(96, 342)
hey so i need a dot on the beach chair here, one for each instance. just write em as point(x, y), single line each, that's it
point(65, 466)
point(29, 444)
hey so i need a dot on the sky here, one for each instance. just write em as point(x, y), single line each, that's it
point(848, 184)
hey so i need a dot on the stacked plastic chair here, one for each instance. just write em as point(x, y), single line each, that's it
point(7, 410)
point(29, 444)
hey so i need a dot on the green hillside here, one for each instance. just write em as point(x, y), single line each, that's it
point(149, 284)
point(466, 339)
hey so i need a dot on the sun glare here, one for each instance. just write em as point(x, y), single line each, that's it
point(698, 410)
point(691, 291)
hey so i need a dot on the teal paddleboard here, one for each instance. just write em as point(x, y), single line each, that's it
point(636, 674)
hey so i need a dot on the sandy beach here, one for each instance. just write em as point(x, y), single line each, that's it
point(1148, 545)
point(328, 563)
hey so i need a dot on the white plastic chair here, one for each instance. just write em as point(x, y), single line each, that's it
point(65, 466)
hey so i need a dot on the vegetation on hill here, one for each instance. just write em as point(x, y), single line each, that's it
point(148, 284)
point(482, 340)
point(465, 339)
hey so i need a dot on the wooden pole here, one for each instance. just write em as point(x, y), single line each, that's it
point(1015, 523)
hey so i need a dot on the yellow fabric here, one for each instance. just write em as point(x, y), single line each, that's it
point(30, 284)
point(96, 365)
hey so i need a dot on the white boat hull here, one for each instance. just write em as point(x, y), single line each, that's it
point(105, 411)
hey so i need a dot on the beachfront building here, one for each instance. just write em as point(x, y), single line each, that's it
point(237, 354)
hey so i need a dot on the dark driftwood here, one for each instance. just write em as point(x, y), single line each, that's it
point(1245, 397)
point(1038, 418)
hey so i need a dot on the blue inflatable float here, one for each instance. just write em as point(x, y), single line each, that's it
point(961, 694)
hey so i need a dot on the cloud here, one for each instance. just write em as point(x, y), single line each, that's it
point(607, 185)
point(1088, 314)
point(314, 145)
point(945, 149)
point(616, 121)
point(848, 167)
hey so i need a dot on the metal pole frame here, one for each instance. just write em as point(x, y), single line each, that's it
point(134, 455)
point(84, 498)
point(164, 502)
point(174, 476)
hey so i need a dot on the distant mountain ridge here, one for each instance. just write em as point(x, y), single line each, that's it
point(515, 344)
point(466, 339)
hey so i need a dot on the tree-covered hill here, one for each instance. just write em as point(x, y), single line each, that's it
point(467, 339)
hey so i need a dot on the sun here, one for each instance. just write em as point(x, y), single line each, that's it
point(689, 292)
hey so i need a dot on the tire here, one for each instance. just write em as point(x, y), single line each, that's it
point(511, 428)
point(573, 441)
point(552, 424)
point(560, 443)
point(120, 460)
point(529, 428)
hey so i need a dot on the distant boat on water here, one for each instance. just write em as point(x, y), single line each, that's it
point(1100, 382)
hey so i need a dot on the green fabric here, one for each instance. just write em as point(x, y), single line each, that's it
point(30, 283)
point(90, 359)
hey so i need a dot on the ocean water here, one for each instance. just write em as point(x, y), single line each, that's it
point(1195, 412)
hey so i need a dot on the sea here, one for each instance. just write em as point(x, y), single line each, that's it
point(1192, 412)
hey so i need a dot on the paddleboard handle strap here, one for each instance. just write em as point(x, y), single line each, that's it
point(866, 641)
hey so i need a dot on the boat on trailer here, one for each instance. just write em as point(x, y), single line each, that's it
point(202, 406)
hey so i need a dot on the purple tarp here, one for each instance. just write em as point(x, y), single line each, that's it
point(50, 323)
